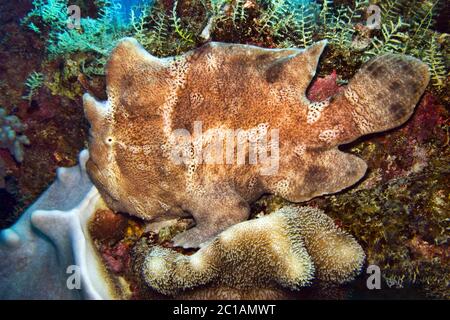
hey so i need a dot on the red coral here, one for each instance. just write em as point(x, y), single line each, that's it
point(426, 122)
point(323, 88)
point(117, 258)
point(406, 150)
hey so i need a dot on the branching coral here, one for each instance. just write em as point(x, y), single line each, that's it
point(339, 29)
point(239, 14)
point(85, 47)
point(34, 81)
point(325, 14)
point(392, 39)
point(95, 35)
point(184, 35)
point(405, 27)
point(52, 13)
point(284, 249)
point(391, 9)
point(434, 57)
point(304, 28)
point(158, 33)
point(11, 135)
point(138, 22)
point(274, 17)
point(99, 35)
point(162, 32)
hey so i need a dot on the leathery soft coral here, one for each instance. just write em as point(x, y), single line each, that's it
point(283, 250)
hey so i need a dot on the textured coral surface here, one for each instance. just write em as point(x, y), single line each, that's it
point(286, 249)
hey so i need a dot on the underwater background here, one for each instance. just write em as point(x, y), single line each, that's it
point(400, 211)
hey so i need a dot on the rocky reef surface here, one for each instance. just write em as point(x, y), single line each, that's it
point(398, 213)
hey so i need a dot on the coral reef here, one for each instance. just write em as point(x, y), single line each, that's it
point(398, 212)
point(37, 251)
point(405, 27)
point(257, 91)
point(56, 126)
point(11, 135)
point(99, 35)
point(285, 249)
point(168, 28)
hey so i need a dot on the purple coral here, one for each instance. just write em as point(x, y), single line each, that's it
point(11, 135)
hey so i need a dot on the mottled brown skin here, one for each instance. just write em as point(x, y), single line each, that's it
point(234, 86)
